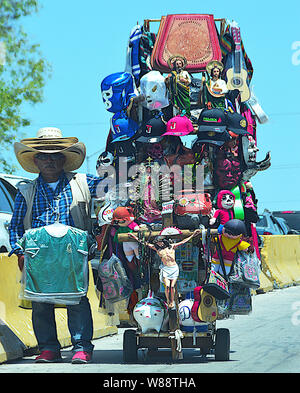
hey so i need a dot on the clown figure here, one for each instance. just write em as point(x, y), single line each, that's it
point(224, 213)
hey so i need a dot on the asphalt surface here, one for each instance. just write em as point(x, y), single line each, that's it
point(266, 341)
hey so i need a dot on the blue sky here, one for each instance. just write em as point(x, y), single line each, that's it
point(86, 41)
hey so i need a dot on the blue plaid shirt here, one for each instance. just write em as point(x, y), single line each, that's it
point(48, 205)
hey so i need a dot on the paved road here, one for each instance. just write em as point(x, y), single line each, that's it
point(268, 341)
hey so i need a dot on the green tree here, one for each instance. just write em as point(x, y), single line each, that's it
point(23, 71)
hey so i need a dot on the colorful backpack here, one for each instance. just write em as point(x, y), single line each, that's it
point(190, 202)
point(115, 282)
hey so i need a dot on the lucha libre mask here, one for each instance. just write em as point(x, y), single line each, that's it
point(117, 89)
point(153, 89)
point(228, 172)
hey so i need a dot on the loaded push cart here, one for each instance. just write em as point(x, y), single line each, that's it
point(191, 323)
point(176, 228)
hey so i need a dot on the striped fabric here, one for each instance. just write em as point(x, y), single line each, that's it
point(134, 43)
point(227, 46)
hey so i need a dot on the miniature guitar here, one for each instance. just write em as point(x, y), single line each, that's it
point(204, 308)
point(237, 76)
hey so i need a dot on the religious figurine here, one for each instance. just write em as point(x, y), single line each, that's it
point(178, 82)
point(169, 270)
point(215, 88)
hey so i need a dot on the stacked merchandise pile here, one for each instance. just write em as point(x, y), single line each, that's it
point(188, 109)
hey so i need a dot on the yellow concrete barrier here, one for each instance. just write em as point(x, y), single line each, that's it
point(281, 259)
point(266, 283)
point(16, 332)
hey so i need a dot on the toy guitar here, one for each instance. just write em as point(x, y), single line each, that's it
point(237, 76)
point(204, 308)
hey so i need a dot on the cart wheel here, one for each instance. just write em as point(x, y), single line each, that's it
point(222, 344)
point(129, 346)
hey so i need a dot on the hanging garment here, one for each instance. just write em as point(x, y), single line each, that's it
point(227, 46)
point(56, 264)
point(146, 47)
point(132, 57)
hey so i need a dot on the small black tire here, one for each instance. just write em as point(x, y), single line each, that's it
point(222, 344)
point(130, 346)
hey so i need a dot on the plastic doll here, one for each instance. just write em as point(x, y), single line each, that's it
point(230, 242)
point(225, 203)
point(124, 218)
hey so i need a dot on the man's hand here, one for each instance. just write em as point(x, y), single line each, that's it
point(21, 262)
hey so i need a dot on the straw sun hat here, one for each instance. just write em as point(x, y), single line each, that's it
point(50, 140)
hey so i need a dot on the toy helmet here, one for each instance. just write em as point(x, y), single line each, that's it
point(235, 227)
point(186, 320)
point(105, 214)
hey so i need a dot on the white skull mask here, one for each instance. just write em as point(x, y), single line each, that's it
point(154, 91)
point(227, 201)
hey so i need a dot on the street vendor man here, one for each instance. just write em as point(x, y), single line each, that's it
point(169, 270)
point(57, 195)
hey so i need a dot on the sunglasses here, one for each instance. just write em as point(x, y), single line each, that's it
point(46, 156)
